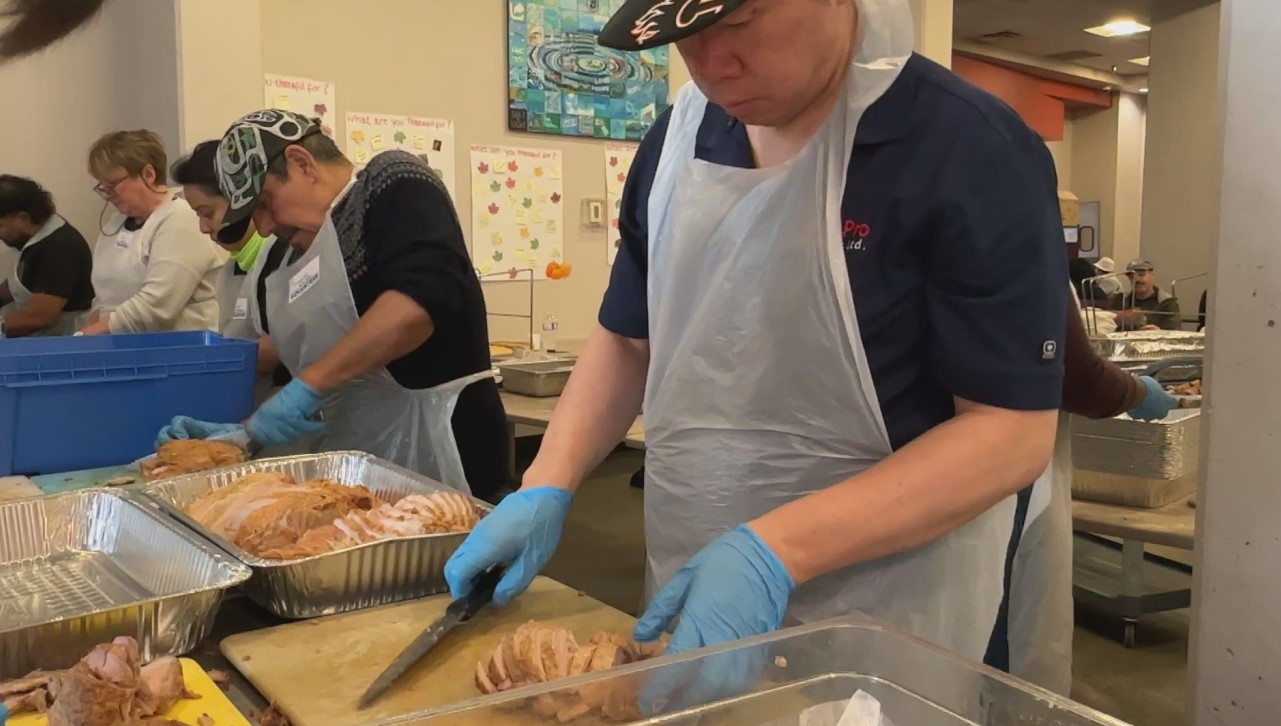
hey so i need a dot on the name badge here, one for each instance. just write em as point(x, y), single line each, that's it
point(124, 239)
point(304, 280)
point(242, 309)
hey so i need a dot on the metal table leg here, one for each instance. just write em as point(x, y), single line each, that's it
point(1131, 583)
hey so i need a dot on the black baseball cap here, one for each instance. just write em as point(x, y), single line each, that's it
point(641, 24)
point(248, 147)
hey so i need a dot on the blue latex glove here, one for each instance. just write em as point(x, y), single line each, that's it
point(186, 427)
point(287, 416)
point(1156, 403)
point(735, 587)
point(523, 530)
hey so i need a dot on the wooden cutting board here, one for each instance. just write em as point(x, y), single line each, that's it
point(316, 670)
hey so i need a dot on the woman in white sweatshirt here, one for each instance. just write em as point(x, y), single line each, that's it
point(153, 270)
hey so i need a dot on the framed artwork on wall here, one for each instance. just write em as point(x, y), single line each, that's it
point(559, 81)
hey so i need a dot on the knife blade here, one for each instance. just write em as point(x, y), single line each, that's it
point(458, 612)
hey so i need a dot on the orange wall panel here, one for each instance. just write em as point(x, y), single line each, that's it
point(1041, 103)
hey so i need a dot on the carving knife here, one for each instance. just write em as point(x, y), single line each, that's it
point(458, 612)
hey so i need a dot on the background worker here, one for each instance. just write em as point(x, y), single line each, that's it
point(153, 270)
point(242, 283)
point(49, 289)
point(376, 310)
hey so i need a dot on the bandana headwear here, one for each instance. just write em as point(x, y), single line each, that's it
point(247, 148)
point(643, 24)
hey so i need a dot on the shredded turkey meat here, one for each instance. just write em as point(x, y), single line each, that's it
point(412, 516)
point(270, 510)
point(106, 688)
point(538, 653)
point(189, 456)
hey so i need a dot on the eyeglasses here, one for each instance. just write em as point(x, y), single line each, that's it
point(107, 189)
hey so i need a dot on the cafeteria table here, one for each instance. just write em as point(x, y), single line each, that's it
point(1112, 569)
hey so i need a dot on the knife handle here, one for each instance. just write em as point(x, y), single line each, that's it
point(482, 593)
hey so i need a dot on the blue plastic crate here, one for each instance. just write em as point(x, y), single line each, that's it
point(84, 402)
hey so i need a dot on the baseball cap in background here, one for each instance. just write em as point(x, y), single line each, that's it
point(1105, 265)
point(1139, 266)
point(641, 24)
point(247, 148)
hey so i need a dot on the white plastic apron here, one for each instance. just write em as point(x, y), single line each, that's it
point(239, 315)
point(68, 322)
point(1041, 611)
point(759, 391)
point(310, 306)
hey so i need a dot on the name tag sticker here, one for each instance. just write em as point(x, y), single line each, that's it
point(304, 280)
point(242, 309)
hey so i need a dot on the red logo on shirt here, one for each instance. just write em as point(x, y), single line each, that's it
point(854, 234)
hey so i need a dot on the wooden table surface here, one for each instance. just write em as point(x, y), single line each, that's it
point(1173, 525)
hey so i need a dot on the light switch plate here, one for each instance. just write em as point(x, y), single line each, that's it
point(594, 213)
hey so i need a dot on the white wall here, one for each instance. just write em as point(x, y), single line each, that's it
point(116, 73)
point(1062, 153)
point(1180, 196)
point(219, 81)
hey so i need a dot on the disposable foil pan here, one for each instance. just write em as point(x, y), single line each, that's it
point(1165, 449)
point(1149, 345)
point(80, 569)
point(372, 574)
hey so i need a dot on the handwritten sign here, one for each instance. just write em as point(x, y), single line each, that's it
point(316, 99)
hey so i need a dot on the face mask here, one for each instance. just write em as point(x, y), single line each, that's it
point(249, 253)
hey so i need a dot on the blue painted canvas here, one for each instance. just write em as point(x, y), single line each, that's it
point(559, 81)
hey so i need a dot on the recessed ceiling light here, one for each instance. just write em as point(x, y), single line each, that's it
point(1143, 90)
point(1119, 28)
point(1140, 61)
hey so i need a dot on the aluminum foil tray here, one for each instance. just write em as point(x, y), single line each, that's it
point(79, 569)
point(779, 676)
point(1149, 345)
point(372, 574)
point(1165, 449)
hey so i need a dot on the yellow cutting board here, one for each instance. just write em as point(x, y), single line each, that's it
point(316, 670)
point(212, 701)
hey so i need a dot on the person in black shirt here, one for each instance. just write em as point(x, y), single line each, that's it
point(377, 311)
point(49, 290)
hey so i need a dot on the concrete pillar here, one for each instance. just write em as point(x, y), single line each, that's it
point(219, 65)
point(1235, 666)
point(934, 29)
point(1180, 196)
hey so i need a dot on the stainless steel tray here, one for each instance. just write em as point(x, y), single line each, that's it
point(1165, 449)
point(916, 683)
point(540, 379)
point(79, 569)
point(372, 574)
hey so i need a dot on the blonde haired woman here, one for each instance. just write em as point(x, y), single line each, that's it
point(153, 270)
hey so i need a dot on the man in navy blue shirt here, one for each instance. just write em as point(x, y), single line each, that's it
point(840, 298)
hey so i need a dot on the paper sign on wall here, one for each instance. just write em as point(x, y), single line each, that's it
point(305, 96)
point(517, 211)
point(618, 164)
point(431, 139)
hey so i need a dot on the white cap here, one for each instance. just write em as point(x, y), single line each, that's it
point(1106, 265)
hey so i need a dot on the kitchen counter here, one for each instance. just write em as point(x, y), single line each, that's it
point(537, 412)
